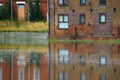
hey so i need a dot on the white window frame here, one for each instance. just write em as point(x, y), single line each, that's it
point(20, 2)
point(63, 21)
point(63, 56)
point(102, 18)
point(63, 2)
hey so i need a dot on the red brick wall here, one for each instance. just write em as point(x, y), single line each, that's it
point(43, 7)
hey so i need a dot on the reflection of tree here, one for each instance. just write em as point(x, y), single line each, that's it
point(35, 58)
point(6, 56)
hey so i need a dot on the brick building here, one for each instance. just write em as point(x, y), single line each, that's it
point(20, 8)
point(84, 18)
point(22, 66)
point(84, 61)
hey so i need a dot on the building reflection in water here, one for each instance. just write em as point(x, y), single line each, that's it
point(23, 65)
point(84, 61)
point(65, 61)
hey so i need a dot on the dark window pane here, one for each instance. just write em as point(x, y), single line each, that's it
point(82, 18)
point(102, 1)
point(82, 2)
point(82, 60)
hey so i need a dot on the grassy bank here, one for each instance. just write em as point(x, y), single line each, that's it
point(111, 41)
point(21, 26)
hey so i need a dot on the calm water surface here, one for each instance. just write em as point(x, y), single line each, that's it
point(37, 59)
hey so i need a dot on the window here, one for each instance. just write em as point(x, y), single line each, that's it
point(63, 76)
point(82, 18)
point(21, 6)
point(63, 2)
point(82, 60)
point(102, 18)
point(82, 2)
point(102, 1)
point(102, 60)
point(82, 76)
point(63, 21)
point(36, 73)
point(63, 56)
point(102, 77)
point(21, 74)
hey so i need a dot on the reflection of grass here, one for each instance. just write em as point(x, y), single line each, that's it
point(111, 41)
point(14, 26)
point(38, 48)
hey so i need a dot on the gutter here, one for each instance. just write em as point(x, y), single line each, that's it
point(48, 4)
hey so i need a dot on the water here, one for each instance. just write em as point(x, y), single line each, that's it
point(37, 59)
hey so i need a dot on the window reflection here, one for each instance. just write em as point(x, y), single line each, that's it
point(82, 60)
point(102, 77)
point(82, 76)
point(36, 73)
point(21, 74)
point(63, 76)
point(102, 61)
point(63, 56)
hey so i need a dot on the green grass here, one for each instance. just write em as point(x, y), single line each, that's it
point(111, 41)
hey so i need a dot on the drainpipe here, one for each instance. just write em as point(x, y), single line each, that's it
point(48, 4)
point(11, 10)
point(28, 10)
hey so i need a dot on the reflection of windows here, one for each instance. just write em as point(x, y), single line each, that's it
point(82, 60)
point(102, 60)
point(63, 56)
point(102, 1)
point(102, 77)
point(63, 2)
point(82, 76)
point(36, 73)
point(82, 2)
point(82, 18)
point(63, 76)
point(21, 60)
point(21, 74)
point(0, 73)
point(63, 21)
point(102, 18)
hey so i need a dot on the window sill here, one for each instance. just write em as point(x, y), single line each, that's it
point(63, 28)
point(63, 5)
point(103, 4)
point(82, 4)
point(102, 22)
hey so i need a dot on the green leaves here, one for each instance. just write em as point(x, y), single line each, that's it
point(35, 12)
